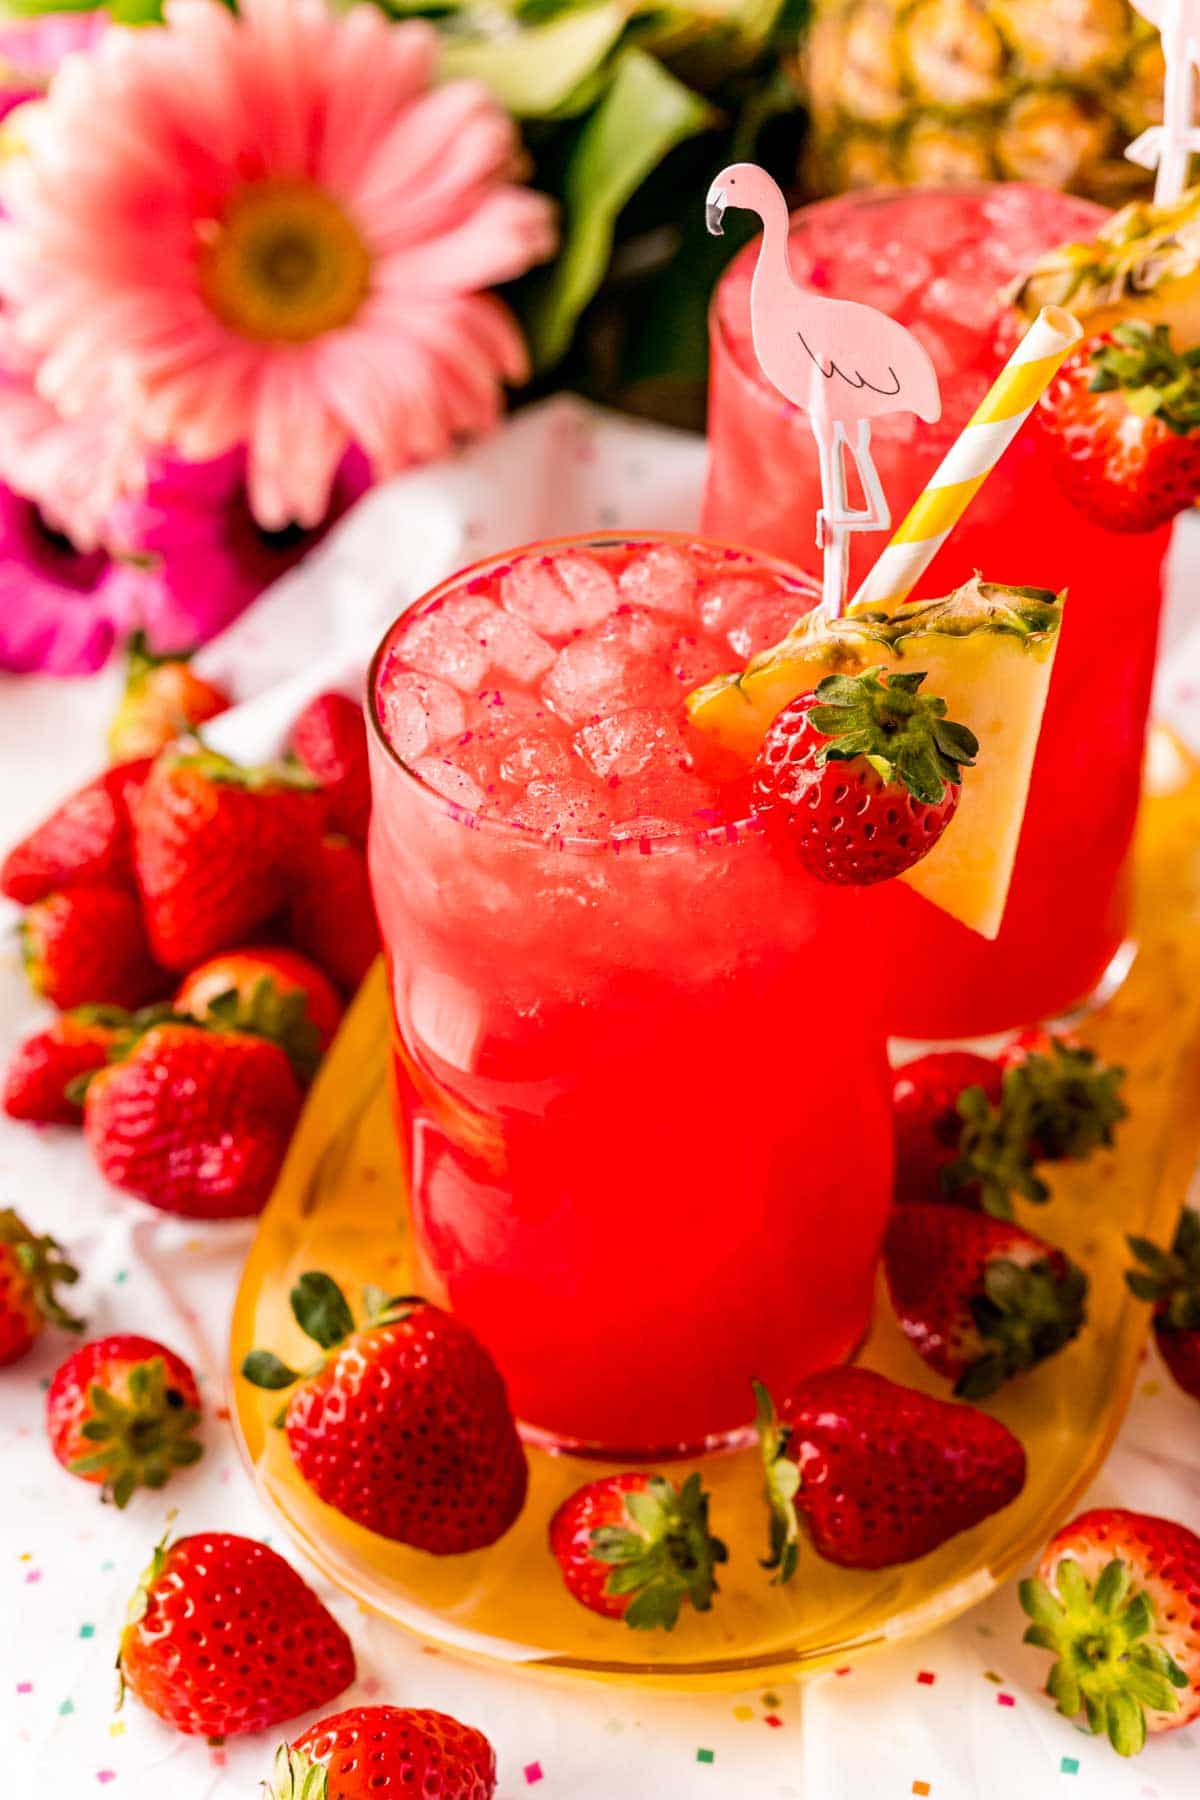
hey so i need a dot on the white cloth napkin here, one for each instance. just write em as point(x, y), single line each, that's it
point(957, 1716)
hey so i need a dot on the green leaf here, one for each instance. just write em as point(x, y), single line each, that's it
point(319, 1308)
point(534, 70)
point(266, 1370)
point(645, 112)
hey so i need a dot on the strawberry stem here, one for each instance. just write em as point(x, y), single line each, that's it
point(1157, 381)
point(665, 1554)
point(904, 734)
point(1027, 1312)
point(781, 1484)
point(1170, 1278)
point(142, 1441)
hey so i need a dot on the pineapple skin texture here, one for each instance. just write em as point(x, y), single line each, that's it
point(905, 92)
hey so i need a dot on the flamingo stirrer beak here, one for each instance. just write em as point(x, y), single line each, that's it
point(714, 211)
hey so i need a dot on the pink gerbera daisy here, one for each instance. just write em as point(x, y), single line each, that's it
point(31, 50)
point(273, 231)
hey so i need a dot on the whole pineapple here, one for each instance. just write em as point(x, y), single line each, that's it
point(905, 91)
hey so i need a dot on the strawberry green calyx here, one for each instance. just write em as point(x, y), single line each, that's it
point(1026, 1312)
point(42, 1263)
point(665, 1555)
point(1107, 1665)
point(904, 734)
point(781, 1484)
point(141, 661)
point(193, 754)
point(1157, 382)
point(994, 1158)
point(141, 1441)
point(139, 1600)
point(277, 1014)
point(1170, 1278)
point(1074, 1100)
point(293, 1777)
point(323, 1314)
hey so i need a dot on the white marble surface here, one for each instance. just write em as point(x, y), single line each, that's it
point(980, 1730)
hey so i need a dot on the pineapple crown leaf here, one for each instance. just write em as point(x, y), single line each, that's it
point(904, 734)
point(43, 1265)
point(664, 1555)
point(781, 1484)
point(294, 1777)
point(1136, 359)
point(1108, 1665)
point(322, 1312)
point(994, 1150)
point(1170, 1278)
point(278, 1014)
point(142, 1440)
point(1024, 1313)
point(1074, 1100)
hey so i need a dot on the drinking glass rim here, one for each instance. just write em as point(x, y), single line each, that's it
point(735, 832)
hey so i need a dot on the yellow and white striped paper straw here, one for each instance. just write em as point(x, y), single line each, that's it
point(971, 458)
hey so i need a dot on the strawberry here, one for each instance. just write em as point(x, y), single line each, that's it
point(216, 848)
point(85, 842)
point(1117, 1600)
point(928, 1124)
point(121, 1411)
point(404, 1426)
point(1075, 1099)
point(1121, 424)
point(87, 947)
point(225, 1638)
point(277, 993)
point(385, 1753)
point(193, 1120)
point(330, 739)
point(163, 699)
point(332, 915)
point(635, 1547)
point(30, 1270)
point(1171, 1279)
point(860, 777)
point(979, 1299)
point(882, 1474)
point(39, 1080)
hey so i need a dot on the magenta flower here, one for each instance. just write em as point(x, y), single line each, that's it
point(272, 231)
point(61, 609)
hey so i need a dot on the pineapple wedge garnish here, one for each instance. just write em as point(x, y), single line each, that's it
point(988, 652)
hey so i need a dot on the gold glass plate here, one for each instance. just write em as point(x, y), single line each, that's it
point(340, 1206)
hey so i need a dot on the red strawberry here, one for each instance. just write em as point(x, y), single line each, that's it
point(929, 1126)
point(882, 1474)
point(1121, 424)
point(1171, 1279)
point(216, 848)
point(225, 1638)
point(85, 842)
point(163, 699)
point(122, 1411)
point(1074, 1098)
point(43, 1069)
point(330, 738)
point(635, 1547)
point(980, 1299)
point(861, 776)
point(87, 947)
point(196, 1121)
point(276, 993)
point(386, 1753)
point(30, 1270)
point(1117, 1600)
point(332, 916)
point(405, 1427)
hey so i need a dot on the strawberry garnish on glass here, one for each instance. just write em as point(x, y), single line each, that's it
point(979, 1299)
point(403, 1423)
point(879, 1473)
point(31, 1268)
point(861, 776)
point(1121, 422)
point(1117, 1600)
point(122, 1412)
point(1170, 1279)
point(385, 1753)
point(636, 1547)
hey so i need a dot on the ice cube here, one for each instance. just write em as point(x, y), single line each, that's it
point(467, 610)
point(434, 645)
point(450, 780)
point(514, 647)
point(417, 712)
point(625, 743)
point(503, 712)
point(594, 677)
point(663, 790)
point(724, 600)
point(764, 623)
point(638, 630)
point(564, 808)
point(692, 660)
point(662, 578)
point(560, 595)
point(536, 757)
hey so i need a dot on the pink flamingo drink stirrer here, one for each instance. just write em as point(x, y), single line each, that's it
point(843, 363)
point(1168, 147)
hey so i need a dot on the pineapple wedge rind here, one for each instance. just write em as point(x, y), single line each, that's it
point(988, 651)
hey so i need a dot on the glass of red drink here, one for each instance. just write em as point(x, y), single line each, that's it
point(641, 1080)
point(937, 260)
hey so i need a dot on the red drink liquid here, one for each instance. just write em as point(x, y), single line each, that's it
point(936, 260)
point(642, 1083)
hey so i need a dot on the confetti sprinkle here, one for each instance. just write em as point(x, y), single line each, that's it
point(106, 1568)
point(117, 1728)
point(1005, 1700)
point(533, 1772)
point(25, 1556)
point(617, 1725)
point(926, 1678)
point(846, 1669)
point(32, 1576)
point(24, 1687)
point(1069, 1765)
point(773, 1720)
point(743, 1712)
point(991, 1675)
point(87, 1631)
point(106, 1775)
point(66, 1709)
point(772, 1701)
point(706, 1756)
point(121, 1277)
point(920, 1787)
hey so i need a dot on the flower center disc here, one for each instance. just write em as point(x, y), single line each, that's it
point(283, 262)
